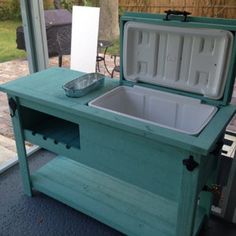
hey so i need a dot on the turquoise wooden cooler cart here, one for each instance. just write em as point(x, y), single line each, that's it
point(135, 154)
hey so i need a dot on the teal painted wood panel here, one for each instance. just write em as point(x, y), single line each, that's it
point(200, 219)
point(133, 155)
point(47, 86)
point(49, 96)
point(208, 166)
point(20, 146)
point(187, 205)
point(137, 160)
point(134, 159)
point(130, 209)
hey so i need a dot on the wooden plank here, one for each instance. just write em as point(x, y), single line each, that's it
point(187, 202)
point(20, 145)
point(208, 166)
point(215, 128)
point(135, 159)
point(115, 155)
point(206, 197)
point(199, 220)
point(79, 112)
point(123, 206)
point(34, 28)
point(202, 144)
point(49, 97)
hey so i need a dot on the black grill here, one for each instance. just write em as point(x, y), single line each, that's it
point(58, 30)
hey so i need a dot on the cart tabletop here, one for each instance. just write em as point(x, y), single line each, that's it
point(45, 88)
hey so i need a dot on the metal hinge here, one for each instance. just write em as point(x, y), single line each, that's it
point(13, 106)
point(214, 188)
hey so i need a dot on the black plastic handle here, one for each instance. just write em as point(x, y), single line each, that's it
point(177, 13)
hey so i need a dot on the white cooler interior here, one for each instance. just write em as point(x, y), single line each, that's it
point(193, 60)
point(168, 110)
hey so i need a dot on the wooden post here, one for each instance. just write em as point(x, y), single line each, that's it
point(35, 34)
point(187, 202)
point(20, 145)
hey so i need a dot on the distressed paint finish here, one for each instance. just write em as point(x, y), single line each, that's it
point(109, 199)
point(50, 98)
point(187, 202)
point(123, 154)
point(20, 145)
point(124, 172)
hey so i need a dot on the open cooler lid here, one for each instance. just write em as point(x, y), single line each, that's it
point(195, 60)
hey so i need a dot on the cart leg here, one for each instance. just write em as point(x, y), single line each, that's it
point(207, 196)
point(20, 145)
point(187, 203)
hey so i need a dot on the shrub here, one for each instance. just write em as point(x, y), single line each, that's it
point(68, 4)
point(15, 9)
point(9, 9)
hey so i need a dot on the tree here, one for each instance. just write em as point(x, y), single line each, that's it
point(109, 19)
point(57, 4)
point(68, 4)
point(109, 15)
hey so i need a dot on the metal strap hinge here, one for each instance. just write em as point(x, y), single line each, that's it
point(13, 106)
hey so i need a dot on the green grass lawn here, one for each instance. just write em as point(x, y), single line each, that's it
point(8, 50)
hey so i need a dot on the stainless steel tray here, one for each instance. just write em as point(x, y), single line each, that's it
point(83, 84)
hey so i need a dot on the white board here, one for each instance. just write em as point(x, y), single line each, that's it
point(85, 24)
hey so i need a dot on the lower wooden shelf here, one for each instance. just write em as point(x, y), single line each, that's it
point(111, 201)
point(114, 202)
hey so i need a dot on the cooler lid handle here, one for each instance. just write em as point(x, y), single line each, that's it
point(177, 13)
